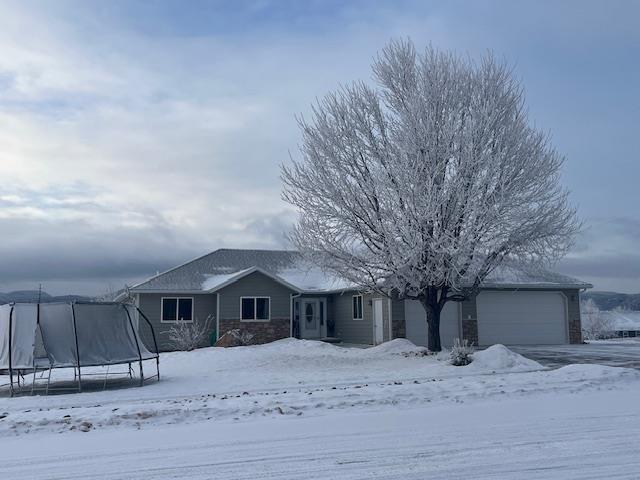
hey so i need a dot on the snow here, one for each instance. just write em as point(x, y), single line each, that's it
point(564, 436)
point(309, 279)
point(212, 282)
point(623, 319)
point(519, 274)
point(615, 341)
point(396, 346)
point(304, 277)
point(498, 357)
point(307, 409)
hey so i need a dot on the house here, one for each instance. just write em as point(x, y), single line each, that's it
point(273, 294)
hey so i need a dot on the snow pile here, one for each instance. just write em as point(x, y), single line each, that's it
point(500, 358)
point(397, 346)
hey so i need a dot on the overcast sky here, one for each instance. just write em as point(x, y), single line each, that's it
point(135, 136)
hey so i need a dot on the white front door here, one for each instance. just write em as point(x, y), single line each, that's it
point(310, 321)
point(378, 323)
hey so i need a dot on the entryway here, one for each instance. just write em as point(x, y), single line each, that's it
point(312, 317)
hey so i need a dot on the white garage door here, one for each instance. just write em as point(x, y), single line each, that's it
point(521, 318)
point(416, 323)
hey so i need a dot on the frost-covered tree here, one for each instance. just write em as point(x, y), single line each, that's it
point(595, 323)
point(425, 182)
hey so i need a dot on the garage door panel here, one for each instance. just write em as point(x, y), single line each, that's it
point(521, 318)
point(416, 323)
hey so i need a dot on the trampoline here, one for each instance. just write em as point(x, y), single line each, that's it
point(40, 337)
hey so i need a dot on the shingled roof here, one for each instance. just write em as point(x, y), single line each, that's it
point(192, 275)
point(224, 266)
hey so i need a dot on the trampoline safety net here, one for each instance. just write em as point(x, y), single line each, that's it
point(59, 335)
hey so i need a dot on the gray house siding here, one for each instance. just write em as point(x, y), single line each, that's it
point(469, 320)
point(398, 324)
point(386, 319)
point(259, 285)
point(347, 329)
point(150, 304)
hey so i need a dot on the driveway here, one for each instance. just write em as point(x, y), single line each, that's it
point(623, 354)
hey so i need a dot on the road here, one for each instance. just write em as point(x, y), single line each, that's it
point(563, 436)
point(612, 354)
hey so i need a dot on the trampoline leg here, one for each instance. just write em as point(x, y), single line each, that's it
point(11, 383)
point(46, 391)
point(141, 374)
point(130, 371)
point(33, 382)
point(79, 380)
point(158, 367)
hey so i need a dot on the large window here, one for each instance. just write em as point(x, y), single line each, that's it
point(255, 308)
point(357, 307)
point(176, 309)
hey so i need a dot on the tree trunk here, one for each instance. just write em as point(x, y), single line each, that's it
point(433, 309)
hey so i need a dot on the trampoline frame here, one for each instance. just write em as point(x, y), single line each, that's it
point(77, 368)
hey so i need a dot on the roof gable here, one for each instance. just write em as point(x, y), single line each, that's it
point(195, 274)
point(218, 282)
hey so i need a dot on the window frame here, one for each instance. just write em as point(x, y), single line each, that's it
point(177, 299)
point(255, 309)
point(353, 298)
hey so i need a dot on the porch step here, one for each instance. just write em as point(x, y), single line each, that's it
point(331, 340)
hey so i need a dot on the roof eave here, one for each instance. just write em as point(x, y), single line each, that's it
point(537, 286)
point(168, 291)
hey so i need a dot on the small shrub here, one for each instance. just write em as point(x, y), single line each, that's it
point(461, 353)
point(235, 338)
point(187, 336)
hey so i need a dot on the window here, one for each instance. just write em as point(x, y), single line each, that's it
point(357, 307)
point(175, 309)
point(255, 308)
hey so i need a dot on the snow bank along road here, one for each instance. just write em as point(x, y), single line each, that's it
point(551, 436)
point(296, 409)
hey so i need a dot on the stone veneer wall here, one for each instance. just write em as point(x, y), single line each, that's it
point(573, 312)
point(263, 332)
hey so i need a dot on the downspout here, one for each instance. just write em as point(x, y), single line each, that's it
point(217, 316)
point(390, 312)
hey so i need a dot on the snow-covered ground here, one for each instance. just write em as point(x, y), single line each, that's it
point(616, 341)
point(295, 409)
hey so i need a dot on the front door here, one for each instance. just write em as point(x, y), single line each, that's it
point(310, 322)
point(378, 323)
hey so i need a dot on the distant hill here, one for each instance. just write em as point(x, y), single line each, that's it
point(612, 300)
point(30, 296)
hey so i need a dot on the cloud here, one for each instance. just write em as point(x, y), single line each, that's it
point(607, 254)
point(134, 137)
